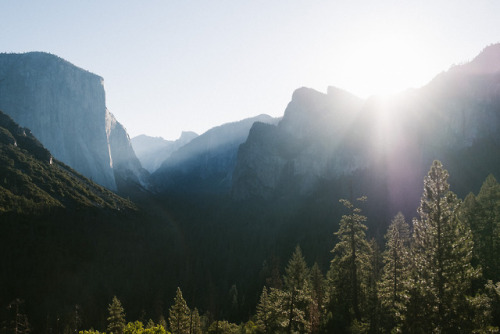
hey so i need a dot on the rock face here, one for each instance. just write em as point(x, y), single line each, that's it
point(309, 141)
point(33, 182)
point(207, 162)
point(65, 108)
point(126, 167)
point(381, 145)
point(152, 151)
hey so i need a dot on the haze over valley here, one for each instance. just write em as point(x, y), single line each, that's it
point(319, 168)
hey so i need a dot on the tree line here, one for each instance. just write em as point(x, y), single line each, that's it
point(438, 274)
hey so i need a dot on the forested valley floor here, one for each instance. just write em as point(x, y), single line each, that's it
point(112, 272)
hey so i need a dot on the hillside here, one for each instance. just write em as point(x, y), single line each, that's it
point(33, 181)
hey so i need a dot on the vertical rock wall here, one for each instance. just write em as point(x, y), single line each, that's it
point(64, 106)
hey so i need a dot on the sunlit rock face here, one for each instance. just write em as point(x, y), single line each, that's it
point(152, 151)
point(126, 167)
point(65, 108)
point(206, 163)
point(382, 145)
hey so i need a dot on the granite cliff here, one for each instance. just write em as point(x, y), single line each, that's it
point(381, 146)
point(65, 107)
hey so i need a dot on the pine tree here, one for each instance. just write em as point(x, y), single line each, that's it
point(485, 224)
point(350, 266)
point(318, 296)
point(395, 273)
point(442, 253)
point(195, 323)
point(296, 281)
point(179, 315)
point(265, 312)
point(116, 319)
point(373, 307)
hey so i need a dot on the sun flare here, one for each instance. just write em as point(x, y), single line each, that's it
point(381, 63)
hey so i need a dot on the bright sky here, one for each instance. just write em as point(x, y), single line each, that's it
point(173, 65)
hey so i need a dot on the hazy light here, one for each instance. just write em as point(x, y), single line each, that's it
point(385, 62)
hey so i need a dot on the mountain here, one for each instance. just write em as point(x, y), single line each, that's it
point(308, 141)
point(33, 181)
point(206, 163)
point(381, 147)
point(65, 108)
point(152, 151)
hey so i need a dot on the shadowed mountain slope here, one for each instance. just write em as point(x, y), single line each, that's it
point(31, 180)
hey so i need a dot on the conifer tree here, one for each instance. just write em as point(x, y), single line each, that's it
point(116, 319)
point(318, 295)
point(265, 312)
point(373, 307)
point(350, 266)
point(195, 323)
point(485, 225)
point(179, 315)
point(395, 273)
point(442, 253)
point(296, 285)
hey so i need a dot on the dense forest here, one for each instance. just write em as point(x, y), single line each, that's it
point(437, 273)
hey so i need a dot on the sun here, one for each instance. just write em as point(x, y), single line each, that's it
point(384, 62)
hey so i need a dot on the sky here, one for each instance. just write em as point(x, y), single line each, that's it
point(172, 66)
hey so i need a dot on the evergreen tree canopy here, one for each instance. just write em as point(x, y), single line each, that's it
point(396, 263)
point(485, 225)
point(442, 253)
point(116, 319)
point(179, 315)
point(296, 286)
point(350, 266)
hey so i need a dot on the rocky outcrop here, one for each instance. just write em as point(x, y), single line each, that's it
point(384, 143)
point(207, 162)
point(152, 151)
point(126, 167)
point(65, 108)
point(307, 144)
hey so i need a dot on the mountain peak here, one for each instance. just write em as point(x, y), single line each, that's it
point(486, 62)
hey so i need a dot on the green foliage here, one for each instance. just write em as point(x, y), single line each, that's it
point(318, 299)
point(483, 216)
point(223, 327)
point(392, 289)
point(442, 254)
point(116, 319)
point(179, 315)
point(249, 328)
point(138, 328)
point(32, 182)
point(265, 313)
point(195, 322)
point(350, 267)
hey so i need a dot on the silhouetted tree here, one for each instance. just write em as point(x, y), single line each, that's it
point(350, 267)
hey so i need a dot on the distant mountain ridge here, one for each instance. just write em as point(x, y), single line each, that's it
point(65, 108)
point(152, 151)
point(206, 163)
point(383, 145)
